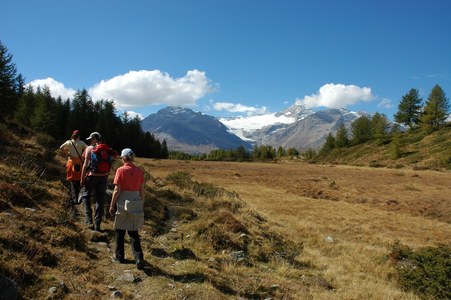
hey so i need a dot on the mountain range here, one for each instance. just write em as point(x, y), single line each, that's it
point(296, 127)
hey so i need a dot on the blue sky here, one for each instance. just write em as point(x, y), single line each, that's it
point(233, 57)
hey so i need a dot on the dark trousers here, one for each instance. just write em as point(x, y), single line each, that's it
point(74, 190)
point(95, 185)
point(134, 241)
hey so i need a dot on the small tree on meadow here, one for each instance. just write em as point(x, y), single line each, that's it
point(380, 127)
point(409, 109)
point(342, 138)
point(436, 110)
point(328, 145)
point(361, 130)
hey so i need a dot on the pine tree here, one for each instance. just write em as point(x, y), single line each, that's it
point(341, 138)
point(43, 118)
point(409, 109)
point(25, 107)
point(164, 149)
point(82, 113)
point(380, 127)
point(436, 109)
point(361, 130)
point(10, 83)
point(328, 145)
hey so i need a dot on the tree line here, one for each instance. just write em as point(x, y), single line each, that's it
point(411, 113)
point(258, 153)
point(56, 117)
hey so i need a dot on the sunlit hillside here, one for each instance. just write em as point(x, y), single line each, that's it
point(417, 149)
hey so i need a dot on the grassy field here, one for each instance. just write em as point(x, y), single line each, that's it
point(221, 230)
point(345, 217)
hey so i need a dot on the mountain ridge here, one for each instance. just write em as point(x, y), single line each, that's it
point(189, 131)
point(297, 127)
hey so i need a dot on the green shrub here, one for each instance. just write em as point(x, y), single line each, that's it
point(426, 271)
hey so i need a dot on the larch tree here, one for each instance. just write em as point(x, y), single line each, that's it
point(409, 109)
point(342, 137)
point(436, 109)
point(361, 130)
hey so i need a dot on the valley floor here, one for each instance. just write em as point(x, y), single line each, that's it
point(346, 217)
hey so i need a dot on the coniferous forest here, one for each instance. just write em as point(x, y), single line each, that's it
point(58, 118)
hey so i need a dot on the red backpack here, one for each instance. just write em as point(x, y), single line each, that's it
point(102, 158)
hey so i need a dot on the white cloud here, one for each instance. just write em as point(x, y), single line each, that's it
point(385, 103)
point(240, 108)
point(337, 96)
point(140, 88)
point(56, 88)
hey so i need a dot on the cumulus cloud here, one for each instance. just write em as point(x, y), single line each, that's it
point(337, 96)
point(385, 103)
point(56, 88)
point(140, 88)
point(240, 108)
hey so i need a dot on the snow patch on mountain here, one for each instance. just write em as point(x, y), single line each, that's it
point(240, 125)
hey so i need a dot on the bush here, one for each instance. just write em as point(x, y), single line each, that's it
point(426, 271)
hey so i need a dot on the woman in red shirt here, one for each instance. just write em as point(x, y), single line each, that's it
point(127, 204)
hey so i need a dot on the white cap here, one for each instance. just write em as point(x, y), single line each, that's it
point(95, 135)
point(127, 152)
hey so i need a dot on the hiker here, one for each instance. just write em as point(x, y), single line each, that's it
point(94, 178)
point(73, 149)
point(127, 204)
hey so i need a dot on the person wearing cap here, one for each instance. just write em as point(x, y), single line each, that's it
point(73, 149)
point(93, 183)
point(127, 204)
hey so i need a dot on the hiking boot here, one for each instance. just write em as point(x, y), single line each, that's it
point(97, 228)
point(119, 260)
point(139, 264)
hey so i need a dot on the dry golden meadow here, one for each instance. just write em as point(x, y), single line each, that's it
point(363, 210)
point(221, 230)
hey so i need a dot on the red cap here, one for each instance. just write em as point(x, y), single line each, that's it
point(76, 132)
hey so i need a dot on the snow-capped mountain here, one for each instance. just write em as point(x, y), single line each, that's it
point(245, 126)
point(296, 127)
point(309, 132)
point(189, 131)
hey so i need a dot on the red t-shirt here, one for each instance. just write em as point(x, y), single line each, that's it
point(129, 177)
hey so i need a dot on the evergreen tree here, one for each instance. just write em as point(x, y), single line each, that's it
point(409, 109)
point(25, 107)
point(109, 124)
point(255, 152)
point(361, 130)
point(164, 150)
point(280, 152)
point(10, 83)
point(43, 117)
point(328, 145)
point(436, 109)
point(292, 152)
point(63, 115)
point(82, 113)
point(380, 127)
point(241, 153)
point(341, 138)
